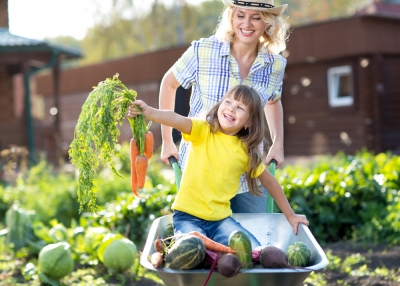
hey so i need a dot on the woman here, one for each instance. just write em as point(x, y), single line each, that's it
point(244, 50)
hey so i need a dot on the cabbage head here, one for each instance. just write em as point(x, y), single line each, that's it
point(118, 254)
point(19, 225)
point(55, 260)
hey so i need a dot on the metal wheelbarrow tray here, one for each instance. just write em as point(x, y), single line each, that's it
point(270, 229)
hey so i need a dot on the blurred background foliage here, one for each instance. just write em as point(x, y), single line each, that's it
point(344, 197)
point(129, 29)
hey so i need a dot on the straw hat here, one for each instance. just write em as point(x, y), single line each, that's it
point(259, 5)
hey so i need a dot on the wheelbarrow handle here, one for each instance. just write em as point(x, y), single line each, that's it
point(270, 200)
point(177, 171)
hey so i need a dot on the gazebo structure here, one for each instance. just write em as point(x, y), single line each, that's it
point(20, 59)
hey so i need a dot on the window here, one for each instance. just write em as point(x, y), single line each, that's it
point(340, 87)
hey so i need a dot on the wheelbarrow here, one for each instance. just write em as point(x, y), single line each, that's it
point(269, 228)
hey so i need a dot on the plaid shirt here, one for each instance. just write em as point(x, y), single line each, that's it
point(208, 67)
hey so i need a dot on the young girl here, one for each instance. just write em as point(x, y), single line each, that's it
point(222, 148)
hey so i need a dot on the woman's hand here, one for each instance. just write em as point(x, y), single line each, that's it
point(168, 149)
point(275, 152)
point(295, 220)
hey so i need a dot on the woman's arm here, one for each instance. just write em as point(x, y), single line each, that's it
point(275, 190)
point(167, 95)
point(274, 115)
point(164, 117)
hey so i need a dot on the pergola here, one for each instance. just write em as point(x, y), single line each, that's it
point(29, 56)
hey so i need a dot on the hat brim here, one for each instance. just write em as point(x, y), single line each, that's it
point(278, 10)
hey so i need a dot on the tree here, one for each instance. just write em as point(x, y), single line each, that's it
point(133, 27)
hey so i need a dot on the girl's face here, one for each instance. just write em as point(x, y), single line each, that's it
point(233, 115)
point(247, 25)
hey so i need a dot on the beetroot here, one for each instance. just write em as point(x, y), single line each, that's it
point(228, 265)
point(273, 257)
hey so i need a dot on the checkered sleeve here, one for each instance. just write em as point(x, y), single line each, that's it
point(279, 68)
point(185, 69)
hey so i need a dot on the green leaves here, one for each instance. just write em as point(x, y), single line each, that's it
point(96, 135)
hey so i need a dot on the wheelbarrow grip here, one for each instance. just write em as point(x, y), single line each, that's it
point(270, 200)
point(177, 171)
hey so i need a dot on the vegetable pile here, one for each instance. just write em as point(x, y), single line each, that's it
point(96, 138)
point(187, 251)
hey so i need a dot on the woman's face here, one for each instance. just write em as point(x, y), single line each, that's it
point(233, 115)
point(247, 25)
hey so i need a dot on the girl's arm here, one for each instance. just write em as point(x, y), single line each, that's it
point(275, 190)
point(164, 117)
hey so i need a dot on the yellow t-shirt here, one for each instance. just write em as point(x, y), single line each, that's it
point(211, 178)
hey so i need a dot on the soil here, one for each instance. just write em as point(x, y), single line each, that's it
point(377, 256)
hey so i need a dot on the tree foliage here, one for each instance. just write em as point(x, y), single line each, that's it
point(133, 27)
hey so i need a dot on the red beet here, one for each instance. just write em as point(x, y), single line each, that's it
point(273, 257)
point(228, 265)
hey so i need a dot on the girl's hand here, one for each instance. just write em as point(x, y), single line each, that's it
point(136, 108)
point(295, 220)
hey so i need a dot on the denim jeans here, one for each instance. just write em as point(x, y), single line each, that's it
point(247, 203)
point(218, 231)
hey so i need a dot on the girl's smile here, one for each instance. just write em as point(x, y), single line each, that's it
point(233, 115)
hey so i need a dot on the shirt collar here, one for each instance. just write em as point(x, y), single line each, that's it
point(263, 55)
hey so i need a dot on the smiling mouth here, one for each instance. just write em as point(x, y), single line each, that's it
point(229, 118)
point(247, 32)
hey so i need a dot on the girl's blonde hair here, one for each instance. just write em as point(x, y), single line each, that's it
point(252, 136)
point(275, 34)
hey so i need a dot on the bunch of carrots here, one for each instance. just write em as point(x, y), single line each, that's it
point(141, 150)
point(96, 137)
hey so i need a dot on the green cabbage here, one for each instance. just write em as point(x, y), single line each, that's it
point(55, 260)
point(19, 225)
point(117, 253)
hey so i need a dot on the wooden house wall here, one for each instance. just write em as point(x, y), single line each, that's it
point(311, 126)
point(390, 103)
point(342, 38)
point(12, 125)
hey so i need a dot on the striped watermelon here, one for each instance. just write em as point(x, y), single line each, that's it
point(187, 252)
point(298, 254)
point(240, 241)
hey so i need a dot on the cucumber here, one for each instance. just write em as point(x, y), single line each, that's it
point(240, 242)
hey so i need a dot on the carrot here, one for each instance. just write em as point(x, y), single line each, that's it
point(134, 153)
point(141, 170)
point(211, 244)
point(148, 144)
point(158, 244)
point(156, 259)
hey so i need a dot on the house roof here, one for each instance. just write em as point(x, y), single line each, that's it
point(14, 43)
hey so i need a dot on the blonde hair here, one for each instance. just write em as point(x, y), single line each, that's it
point(252, 136)
point(275, 34)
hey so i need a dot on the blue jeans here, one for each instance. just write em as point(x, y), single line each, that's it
point(218, 231)
point(247, 203)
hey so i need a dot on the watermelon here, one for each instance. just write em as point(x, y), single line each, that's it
point(187, 252)
point(298, 254)
point(240, 242)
